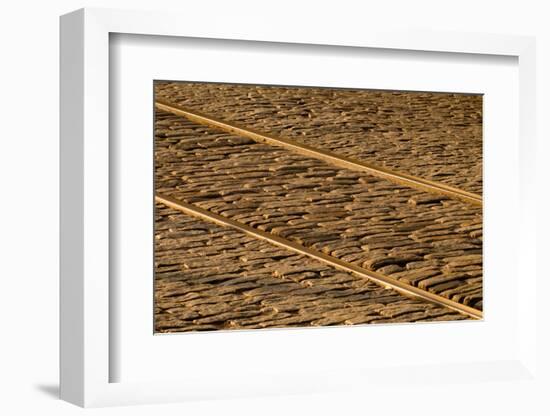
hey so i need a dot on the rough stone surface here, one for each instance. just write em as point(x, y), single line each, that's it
point(210, 277)
point(435, 136)
point(428, 241)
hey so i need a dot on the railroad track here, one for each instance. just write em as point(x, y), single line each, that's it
point(231, 280)
point(179, 190)
point(384, 281)
point(435, 136)
point(328, 156)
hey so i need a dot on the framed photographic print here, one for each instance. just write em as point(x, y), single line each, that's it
point(273, 212)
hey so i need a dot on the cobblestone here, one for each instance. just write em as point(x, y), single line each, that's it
point(223, 279)
point(436, 136)
point(354, 216)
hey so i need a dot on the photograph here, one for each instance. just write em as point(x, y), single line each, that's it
point(287, 208)
point(294, 206)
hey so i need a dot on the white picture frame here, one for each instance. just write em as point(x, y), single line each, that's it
point(86, 291)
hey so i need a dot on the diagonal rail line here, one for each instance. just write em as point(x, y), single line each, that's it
point(325, 155)
point(378, 278)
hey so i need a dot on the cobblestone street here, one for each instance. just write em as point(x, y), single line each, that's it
point(209, 277)
point(431, 135)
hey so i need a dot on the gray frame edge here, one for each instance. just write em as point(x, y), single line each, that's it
point(71, 214)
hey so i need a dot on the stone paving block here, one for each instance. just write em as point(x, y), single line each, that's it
point(436, 136)
point(233, 293)
point(368, 221)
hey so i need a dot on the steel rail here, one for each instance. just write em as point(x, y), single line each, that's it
point(325, 155)
point(385, 281)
